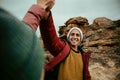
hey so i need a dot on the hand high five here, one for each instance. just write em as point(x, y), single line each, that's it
point(46, 4)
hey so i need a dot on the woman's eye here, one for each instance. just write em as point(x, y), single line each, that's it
point(78, 35)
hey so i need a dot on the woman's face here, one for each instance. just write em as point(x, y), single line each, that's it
point(74, 38)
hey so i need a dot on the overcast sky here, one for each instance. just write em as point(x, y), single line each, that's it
point(65, 9)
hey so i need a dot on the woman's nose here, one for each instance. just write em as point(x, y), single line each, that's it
point(75, 36)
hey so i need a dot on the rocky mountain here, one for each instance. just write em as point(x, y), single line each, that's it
point(102, 37)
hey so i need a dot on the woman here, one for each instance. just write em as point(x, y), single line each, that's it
point(69, 62)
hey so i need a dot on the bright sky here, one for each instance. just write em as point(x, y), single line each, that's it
point(65, 9)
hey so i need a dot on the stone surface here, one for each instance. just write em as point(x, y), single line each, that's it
point(102, 37)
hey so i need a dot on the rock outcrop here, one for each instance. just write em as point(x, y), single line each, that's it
point(102, 37)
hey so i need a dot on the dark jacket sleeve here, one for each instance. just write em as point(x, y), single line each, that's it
point(86, 71)
point(51, 41)
point(49, 36)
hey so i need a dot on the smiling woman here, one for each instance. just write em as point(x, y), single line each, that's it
point(75, 37)
point(69, 60)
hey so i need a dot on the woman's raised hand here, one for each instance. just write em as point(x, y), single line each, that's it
point(46, 4)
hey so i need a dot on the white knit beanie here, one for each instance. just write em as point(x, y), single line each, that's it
point(81, 34)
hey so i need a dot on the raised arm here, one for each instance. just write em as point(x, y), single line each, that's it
point(49, 36)
point(40, 15)
point(48, 33)
point(38, 12)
